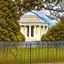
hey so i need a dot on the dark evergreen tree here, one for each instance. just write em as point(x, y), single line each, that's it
point(9, 25)
point(56, 32)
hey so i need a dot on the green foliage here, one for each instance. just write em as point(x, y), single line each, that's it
point(51, 38)
point(56, 32)
point(22, 6)
point(43, 38)
point(9, 25)
point(29, 5)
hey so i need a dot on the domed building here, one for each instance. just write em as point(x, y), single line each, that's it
point(32, 26)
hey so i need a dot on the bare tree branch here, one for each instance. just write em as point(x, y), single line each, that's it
point(54, 10)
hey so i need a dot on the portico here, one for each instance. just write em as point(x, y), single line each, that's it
point(33, 27)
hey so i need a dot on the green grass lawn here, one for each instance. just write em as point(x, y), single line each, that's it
point(37, 55)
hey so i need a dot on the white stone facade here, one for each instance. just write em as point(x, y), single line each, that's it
point(32, 27)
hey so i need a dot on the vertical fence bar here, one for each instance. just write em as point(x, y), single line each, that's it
point(30, 53)
point(42, 52)
point(56, 52)
point(47, 52)
point(35, 53)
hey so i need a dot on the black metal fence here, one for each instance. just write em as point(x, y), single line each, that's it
point(35, 52)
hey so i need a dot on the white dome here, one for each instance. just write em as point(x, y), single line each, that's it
point(30, 17)
point(29, 13)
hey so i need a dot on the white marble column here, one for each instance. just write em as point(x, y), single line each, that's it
point(25, 32)
point(39, 30)
point(29, 30)
point(34, 31)
point(22, 29)
point(43, 29)
point(46, 29)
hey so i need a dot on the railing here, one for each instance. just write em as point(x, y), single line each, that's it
point(31, 52)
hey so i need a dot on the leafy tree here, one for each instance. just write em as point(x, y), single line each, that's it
point(9, 25)
point(29, 5)
point(43, 38)
point(55, 7)
point(56, 32)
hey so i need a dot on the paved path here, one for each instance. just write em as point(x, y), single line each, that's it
point(52, 63)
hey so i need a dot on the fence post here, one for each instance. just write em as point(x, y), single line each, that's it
point(30, 53)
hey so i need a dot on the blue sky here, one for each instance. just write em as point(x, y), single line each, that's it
point(42, 14)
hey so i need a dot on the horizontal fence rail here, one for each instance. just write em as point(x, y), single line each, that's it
point(34, 52)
